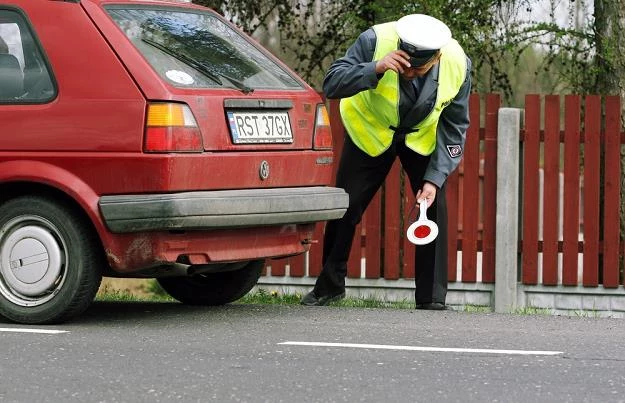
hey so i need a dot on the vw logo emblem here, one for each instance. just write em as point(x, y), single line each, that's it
point(264, 170)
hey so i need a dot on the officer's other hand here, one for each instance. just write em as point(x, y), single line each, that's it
point(427, 192)
point(396, 60)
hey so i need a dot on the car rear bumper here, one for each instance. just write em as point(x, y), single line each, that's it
point(222, 209)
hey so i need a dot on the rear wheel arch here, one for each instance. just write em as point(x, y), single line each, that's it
point(34, 175)
point(12, 190)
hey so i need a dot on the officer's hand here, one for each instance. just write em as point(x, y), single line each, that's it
point(427, 192)
point(397, 60)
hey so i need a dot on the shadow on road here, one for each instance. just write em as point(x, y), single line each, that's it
point(102, 313)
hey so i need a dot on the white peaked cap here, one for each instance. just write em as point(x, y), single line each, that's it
point(423, 31)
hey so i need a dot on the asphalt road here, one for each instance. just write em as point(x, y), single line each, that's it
point(164, 352)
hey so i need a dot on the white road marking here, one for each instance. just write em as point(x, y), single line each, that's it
point(27, 330)
point(415, 348)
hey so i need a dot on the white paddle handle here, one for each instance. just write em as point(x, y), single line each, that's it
point(423, 206)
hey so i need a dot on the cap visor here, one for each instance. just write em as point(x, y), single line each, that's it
point(419, 61)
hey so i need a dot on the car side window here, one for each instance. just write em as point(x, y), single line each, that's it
point(24, 73)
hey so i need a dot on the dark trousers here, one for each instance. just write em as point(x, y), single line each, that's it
point(361, 176)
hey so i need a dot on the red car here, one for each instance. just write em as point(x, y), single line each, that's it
point(149, 139)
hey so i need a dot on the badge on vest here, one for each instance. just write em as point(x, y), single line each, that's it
point(454, 150)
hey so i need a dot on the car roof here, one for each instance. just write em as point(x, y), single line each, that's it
point(183, 3)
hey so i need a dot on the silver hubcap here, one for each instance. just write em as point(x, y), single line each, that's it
point(33, 260)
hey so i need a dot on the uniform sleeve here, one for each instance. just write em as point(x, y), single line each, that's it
point(450, 135)
point(354, 72)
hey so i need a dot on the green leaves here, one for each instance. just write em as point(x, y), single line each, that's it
point(565, 47)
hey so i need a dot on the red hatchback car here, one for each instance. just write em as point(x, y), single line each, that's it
point(149, 139)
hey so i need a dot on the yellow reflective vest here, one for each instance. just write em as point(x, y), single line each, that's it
point(368, 115)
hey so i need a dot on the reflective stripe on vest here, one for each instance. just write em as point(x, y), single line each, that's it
point(368, 115)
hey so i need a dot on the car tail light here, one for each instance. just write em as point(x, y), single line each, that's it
point(171, 127)
point(322, 139)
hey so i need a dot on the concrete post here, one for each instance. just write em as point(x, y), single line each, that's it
point(507, 227)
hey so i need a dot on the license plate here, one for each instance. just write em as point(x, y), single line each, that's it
point(260, 127)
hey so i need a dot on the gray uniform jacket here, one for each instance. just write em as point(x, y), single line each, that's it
point(355, 72)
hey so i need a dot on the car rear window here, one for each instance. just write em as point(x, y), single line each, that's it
point(195, 49)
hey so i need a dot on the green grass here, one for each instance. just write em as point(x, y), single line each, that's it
point(154, 293)
point(153, 287)
point(263, 296)
point(372, 302)
point(477, 309)
point(530, 310)
point(119, 296)
point(593, 313)
point(113, 295)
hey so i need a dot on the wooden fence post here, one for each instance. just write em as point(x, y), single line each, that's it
point(506, 244)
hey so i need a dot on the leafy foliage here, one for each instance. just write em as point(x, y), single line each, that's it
point(313, 33)
point(504, 38)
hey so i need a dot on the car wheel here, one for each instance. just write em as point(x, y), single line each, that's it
point(214, 288)
point(50, 264)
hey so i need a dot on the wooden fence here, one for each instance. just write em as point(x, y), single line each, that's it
point(471, 197)
point(573, 153)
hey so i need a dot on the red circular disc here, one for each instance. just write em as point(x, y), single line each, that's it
point(422, 231)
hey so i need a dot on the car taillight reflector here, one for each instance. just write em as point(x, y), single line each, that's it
point(171, 128)
point(322, 139)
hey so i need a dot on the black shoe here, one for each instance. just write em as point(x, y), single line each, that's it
point(433, 306)
point(311, 299)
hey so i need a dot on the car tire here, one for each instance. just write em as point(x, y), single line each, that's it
point(214, 288)
point(50, 261)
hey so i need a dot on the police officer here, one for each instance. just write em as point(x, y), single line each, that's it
point(404, 89)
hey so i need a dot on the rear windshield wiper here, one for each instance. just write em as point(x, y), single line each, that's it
point(199, 66)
